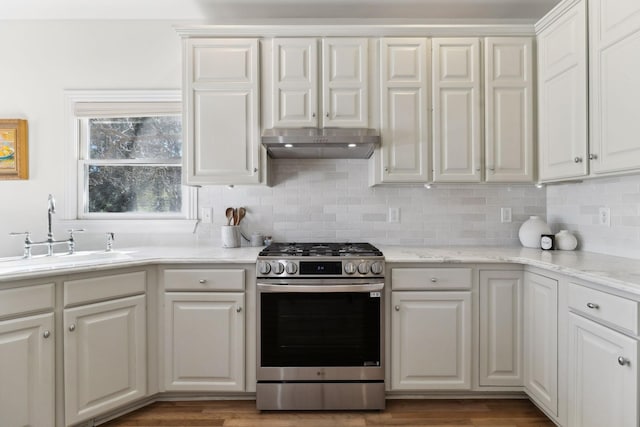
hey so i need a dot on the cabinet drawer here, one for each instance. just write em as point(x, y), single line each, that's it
point(613, 309)
point(408, 279)
point(104, 288)
point(204, 280)
point(26, 300)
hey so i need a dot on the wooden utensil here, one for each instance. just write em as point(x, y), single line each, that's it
point(241, 213)
point(235, 216)
point(229, 214)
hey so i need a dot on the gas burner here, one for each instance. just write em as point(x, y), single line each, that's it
point(320, 249)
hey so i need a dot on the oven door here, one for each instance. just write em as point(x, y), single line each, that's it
point(320, 330)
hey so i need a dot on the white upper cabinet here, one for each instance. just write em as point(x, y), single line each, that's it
point(221, 112)
point(509, 109)
point(562, 95)
point(456, 110)
point(614, 84)
point(404, 70)
point(337, 97)
point(295, 81)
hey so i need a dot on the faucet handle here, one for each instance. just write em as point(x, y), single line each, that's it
point(74, 230)
point(27, 234)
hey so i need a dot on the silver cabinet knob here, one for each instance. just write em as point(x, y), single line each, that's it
point(593, 157)
point(46, 334)
point(593, 306)
point(397, 307)
point(72, 327)
point(577, 160)
point(313, 115)
point(238, 309)
point(386, 169)
point(202, 281)
point(327, 115)
point(622, 361)
point(434, 280)
point(492, 169)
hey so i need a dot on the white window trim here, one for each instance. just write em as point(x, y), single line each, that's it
point(73, 180)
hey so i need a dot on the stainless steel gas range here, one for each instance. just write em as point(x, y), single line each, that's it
point(320, 313)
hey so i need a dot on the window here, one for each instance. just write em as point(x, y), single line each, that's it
point(127, 151)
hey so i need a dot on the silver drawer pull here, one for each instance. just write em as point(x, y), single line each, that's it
point(593, 306)
point(46, 334)
point(622, 361)
point(202, 281)
point(397, 307)
point(434, 280)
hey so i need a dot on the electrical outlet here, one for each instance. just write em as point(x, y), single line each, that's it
point(604, 216)
point(394, 214)
point(505, 215)
point(206, 215)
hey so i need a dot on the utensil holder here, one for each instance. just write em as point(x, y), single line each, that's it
point(230, 236)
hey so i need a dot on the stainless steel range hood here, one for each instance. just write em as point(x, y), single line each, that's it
point(315, 143)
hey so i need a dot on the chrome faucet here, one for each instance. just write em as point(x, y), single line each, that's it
point(50, 242)
point(110, 238)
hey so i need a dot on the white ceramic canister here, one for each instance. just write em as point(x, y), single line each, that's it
point(230, 235)
point(566, 241)
point(531, 230)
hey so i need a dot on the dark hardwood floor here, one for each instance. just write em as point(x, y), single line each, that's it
point(406, 413)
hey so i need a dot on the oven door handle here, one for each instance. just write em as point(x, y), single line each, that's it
point(370, 287)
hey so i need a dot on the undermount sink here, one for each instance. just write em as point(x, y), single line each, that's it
point(38, 262)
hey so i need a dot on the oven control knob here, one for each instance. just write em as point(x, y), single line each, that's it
point(363, 268)
point(291, 268)
point(376, 267)
point(264, 267)
point(349, 268)
point(277, 267)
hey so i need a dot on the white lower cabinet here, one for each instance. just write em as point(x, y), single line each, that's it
point(501, 328)
point(104, 356)
point(431, 340)
point(541, 340)
point(603, 375)
point(204, 341)
point(27, 371)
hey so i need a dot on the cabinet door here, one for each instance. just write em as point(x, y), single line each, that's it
point(456, 110)
point(104, 356)
point(27, 371)
point(295, 82)
point(603, 376)
point(614, 40)
point(501, 328)
point(509, 109)
point(222, 133)
point(541, 340)
point(204, 341)
point(562, 97)
point(404, 155)
point(345, 82)
point(431, 341)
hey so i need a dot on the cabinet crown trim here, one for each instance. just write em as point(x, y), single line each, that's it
point(554, 14)
point(359, 30)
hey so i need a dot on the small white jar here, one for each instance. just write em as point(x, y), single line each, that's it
point(566, 241)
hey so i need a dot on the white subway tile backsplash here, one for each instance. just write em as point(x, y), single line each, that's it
point(331, 200)
point(576, 207)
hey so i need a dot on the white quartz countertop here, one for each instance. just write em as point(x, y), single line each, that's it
point(620, 273)
point(617, 272)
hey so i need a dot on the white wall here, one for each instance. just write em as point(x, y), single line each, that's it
point(575, 207)
point(39, 60)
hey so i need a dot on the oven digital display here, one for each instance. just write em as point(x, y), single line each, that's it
point(320, 268)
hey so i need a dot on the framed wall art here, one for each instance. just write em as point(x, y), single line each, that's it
point(14, 152)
